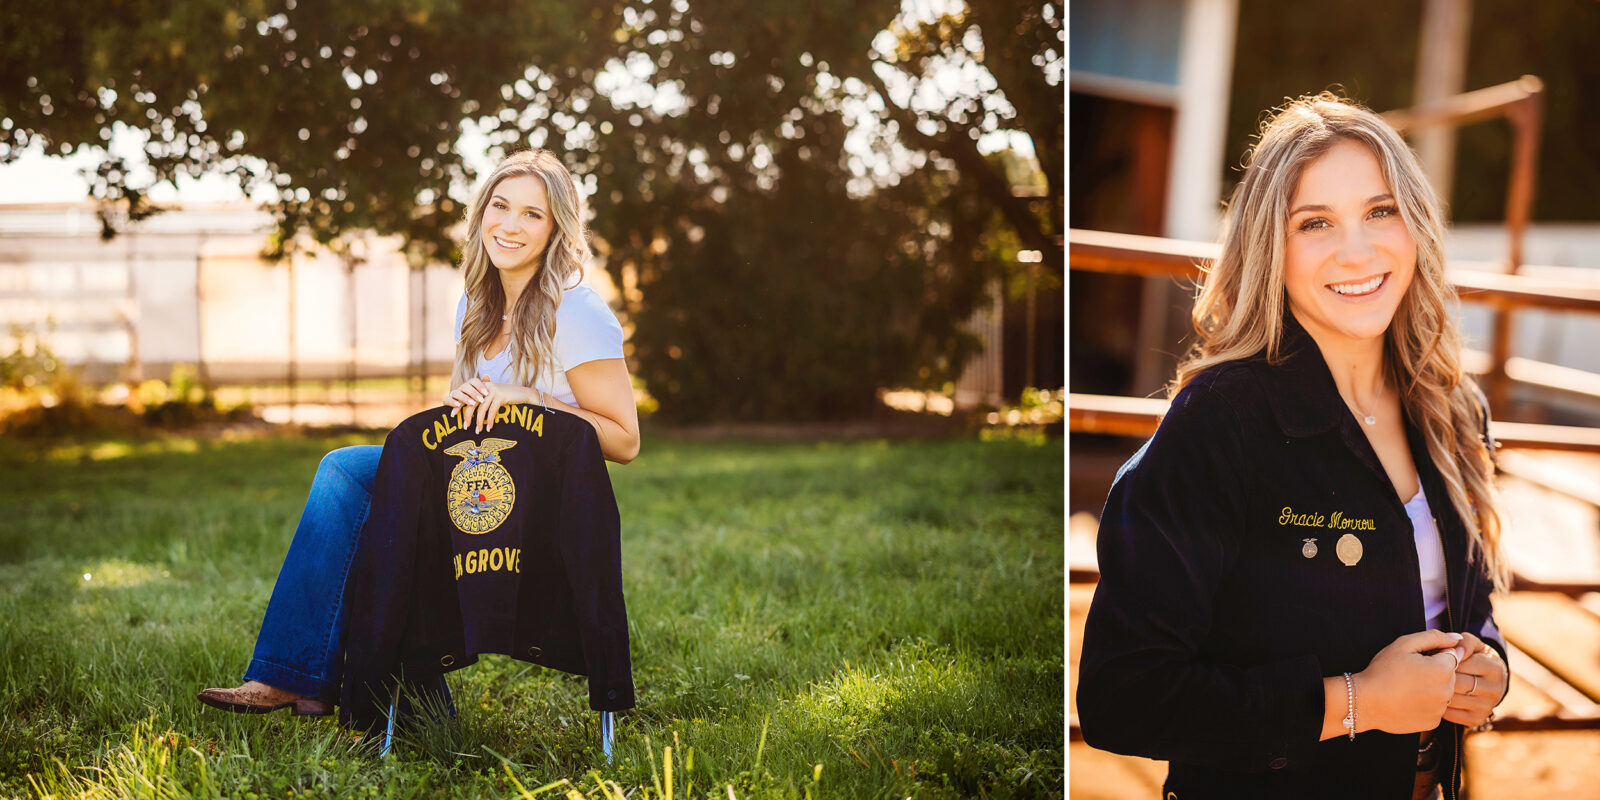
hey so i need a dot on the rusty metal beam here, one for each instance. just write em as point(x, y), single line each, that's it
point(1119, 416)
point(1521, 102)
point(1127, 254)
point(1568, 588)
point(1468, 107)
point(1139, 416)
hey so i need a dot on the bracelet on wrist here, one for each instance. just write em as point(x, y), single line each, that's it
point(1350, 706)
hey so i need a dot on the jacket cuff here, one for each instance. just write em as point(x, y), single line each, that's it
point(610, 695)
point(1291, 691)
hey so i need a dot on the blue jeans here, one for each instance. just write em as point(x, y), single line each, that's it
point(301, 644)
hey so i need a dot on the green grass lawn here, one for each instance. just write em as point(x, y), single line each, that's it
point(808, 619)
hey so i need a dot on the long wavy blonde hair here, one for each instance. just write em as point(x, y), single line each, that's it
point(533, 320)
point(1239, 308)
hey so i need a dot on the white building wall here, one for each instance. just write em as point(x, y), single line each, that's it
point(127, 308)
point(1199, 141)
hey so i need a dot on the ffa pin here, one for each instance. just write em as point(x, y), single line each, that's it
point(1309, 549)
point(1349, 549)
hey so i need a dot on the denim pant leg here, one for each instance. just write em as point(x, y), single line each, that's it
point(300, 645)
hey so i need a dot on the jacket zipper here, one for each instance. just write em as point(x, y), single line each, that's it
point(1449, 621)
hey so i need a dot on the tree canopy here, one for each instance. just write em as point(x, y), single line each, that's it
point(796, 200)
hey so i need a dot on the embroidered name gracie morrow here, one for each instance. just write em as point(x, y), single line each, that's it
point(1337, 522)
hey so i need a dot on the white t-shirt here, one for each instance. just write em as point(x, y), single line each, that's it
point(1430, 558)
point(586, 330)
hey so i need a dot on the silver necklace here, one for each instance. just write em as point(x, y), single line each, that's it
point(1369, 418)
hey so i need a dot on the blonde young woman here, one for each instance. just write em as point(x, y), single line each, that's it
point(1296, 569)
point(528, 330)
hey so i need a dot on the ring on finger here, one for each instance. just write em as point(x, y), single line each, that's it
point(1456, 658)
point(1474, 686)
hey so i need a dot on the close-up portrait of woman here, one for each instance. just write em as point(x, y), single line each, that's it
point(1296, 570)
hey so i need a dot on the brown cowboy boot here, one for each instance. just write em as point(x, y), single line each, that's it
point(255, 697)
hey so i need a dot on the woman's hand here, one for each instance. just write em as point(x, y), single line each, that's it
point(478, 400)
point(1480, 683)
point(1404, 690)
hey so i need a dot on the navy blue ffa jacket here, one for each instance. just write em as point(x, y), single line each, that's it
point(1212, 628)
point(502, 542)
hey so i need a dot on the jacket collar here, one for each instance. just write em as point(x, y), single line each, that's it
point(1303, 397)
point(1305, 402)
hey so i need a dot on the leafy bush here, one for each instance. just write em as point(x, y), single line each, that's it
point(799, 302)
point(46, 399)
point(30, 361)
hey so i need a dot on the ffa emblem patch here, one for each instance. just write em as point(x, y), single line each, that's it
point(480, 494)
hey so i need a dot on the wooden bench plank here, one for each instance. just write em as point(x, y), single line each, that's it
point(1574, 475)
point(1543, 765)
point(1549, 536)
point(1525, 700)
point(1537, 693)
point(1097, 773)
point(1557, 632)
point(1078, 598)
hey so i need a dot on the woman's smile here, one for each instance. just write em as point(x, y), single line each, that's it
point(1362, 289)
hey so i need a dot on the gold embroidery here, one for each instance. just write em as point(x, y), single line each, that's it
point(516, 414)
point(1338, 521)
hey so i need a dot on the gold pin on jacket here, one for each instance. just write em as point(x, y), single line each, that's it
point(1309, 549)
point(1349, 549)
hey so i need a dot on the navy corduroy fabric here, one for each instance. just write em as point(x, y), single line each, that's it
point(1223, 599)
point(507, 541)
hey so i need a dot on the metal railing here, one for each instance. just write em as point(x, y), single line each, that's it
point(1139, 416)
point(1521, 102)
point(1150, 256)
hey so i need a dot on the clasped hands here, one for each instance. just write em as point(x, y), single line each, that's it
point(1421, 678)
point(479, 399)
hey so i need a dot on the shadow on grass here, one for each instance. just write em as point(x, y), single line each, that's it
point(886, 613)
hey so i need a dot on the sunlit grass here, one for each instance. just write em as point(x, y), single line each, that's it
point(828, 619)
point(115, 573)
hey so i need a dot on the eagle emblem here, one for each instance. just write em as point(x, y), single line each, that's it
point(480, 494)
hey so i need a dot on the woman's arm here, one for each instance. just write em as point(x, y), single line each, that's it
point(605, 392)
point(1168, 539)
point(602, 387)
